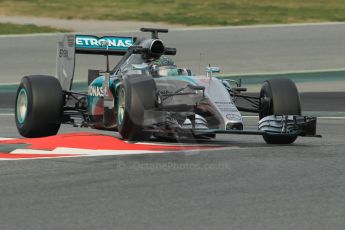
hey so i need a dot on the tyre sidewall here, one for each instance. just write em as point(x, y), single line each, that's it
point(44, 106)
point(26, 125)
point(139, 92)
point(284, 100)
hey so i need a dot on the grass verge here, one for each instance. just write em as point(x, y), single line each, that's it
point(191, 12)
point(8, 28)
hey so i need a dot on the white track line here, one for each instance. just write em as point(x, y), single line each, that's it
point(258, 26)
point(178, 144)
point(31, 151)
point(94, 152)
point(79, 151)
point(330, 118)
point(321, 117)
point(6, 139)
point(192, 29)
point(241, 74)
point(259, 74)
point(31, 35)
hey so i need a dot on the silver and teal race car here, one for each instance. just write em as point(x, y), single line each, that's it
point(147, 96)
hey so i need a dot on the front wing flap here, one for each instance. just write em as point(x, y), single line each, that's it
point(289, 125)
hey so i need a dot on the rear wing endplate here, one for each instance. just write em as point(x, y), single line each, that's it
point(86, 44)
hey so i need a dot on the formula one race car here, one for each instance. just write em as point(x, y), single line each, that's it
point(147, 96)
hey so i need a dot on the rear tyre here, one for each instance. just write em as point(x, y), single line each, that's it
point(39, 104)
point(133, 97)
point(279, 97)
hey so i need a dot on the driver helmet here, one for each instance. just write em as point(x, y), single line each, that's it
point(164, 67)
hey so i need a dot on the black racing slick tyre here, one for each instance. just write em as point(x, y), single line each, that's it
point(39, 105)
point(279, 97)
point(134, 95)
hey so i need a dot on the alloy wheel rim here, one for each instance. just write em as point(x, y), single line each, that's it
point(121, 107)
point(22, 106)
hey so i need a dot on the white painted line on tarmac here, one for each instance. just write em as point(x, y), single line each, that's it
point(258, 26)
point(190, 29)
point(201, 28)
point(76, 152)
point(31, 151)
point(93, 152)
point(6, 114)
point(179, 144)
point(281, 72)
point(246, 74)
point(87, 152)
point(321, 117)
point(31, 35)
point(6, 139)
point(330, 118)
point(37, 158)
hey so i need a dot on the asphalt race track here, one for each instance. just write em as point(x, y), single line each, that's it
point(249, 185)
point(245, 184)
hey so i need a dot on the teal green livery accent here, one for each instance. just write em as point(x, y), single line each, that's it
point(95, 94)
point(22, 95)
point(120, 110)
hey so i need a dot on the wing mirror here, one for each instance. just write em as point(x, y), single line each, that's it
point(210, 70)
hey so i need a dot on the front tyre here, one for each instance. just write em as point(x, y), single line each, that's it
point(39, 104)
point(279, 97)
point(134, 96)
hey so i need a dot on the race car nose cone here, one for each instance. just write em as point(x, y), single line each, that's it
point(234, 126)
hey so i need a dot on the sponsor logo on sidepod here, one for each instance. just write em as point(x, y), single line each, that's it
point(95, 91)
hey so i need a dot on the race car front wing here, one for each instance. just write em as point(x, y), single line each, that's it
point(286, 125)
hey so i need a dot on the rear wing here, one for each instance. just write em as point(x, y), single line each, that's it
point(86, 44)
